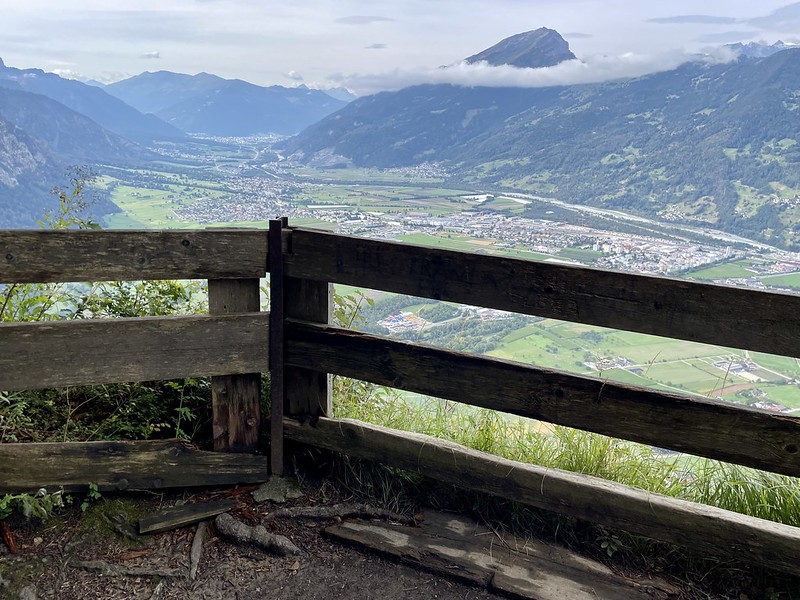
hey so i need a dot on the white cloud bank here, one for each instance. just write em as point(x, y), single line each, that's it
point(593, 69)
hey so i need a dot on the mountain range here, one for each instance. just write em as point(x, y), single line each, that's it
point(205, 103)
point(712, 144)
point(48, 123)
point(708, 143)
point(40, 139)
point(104, 109)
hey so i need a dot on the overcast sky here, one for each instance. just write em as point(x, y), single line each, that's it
point(368, 45)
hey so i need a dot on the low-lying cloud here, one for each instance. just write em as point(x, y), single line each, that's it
point(786, 19)
point(362, 19)
point(724, 37)
point(594, 69)
point(375, 47)
point(699, 19)
point(151, 55)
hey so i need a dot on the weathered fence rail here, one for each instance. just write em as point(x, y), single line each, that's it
point(231, 345)
point(87, 352)
point(689, 424)
point(706, 528)
point(69, 255)
point(302, 349)
point(675, 308)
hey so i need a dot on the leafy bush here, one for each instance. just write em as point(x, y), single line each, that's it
point(115, 411)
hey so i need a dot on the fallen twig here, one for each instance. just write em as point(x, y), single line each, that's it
point(157, 591)
point(108, 569)
point(8, 537)
point(338, 510)
point(197, 549)
point(245, 534)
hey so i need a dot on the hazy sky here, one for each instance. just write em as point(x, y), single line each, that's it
point(369, 46)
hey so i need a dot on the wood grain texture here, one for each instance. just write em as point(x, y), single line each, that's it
point(277, 302)
point(236, 398)
point(729, 432)
point(736, 317)
point(704, 528)
point(459, 547)
point(122, 466)
point(67, 353)
point(307, 390)
point(183, 515)
point(77, 255)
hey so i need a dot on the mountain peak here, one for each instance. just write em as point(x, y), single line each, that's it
point(541, 47)
point(759, 49)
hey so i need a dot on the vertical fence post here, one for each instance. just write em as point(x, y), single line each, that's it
point(236, 399)
point(295, 391)
point(308, 392)
point(276, 336)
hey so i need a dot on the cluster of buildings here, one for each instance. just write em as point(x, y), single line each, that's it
point(264, 197)
point(606, 363)
point(620, 251)
point(404, 322)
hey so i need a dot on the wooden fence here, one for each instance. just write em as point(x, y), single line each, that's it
point(306, 349)
point(231, 344)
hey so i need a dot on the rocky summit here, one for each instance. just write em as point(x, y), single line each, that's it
point(541, 47)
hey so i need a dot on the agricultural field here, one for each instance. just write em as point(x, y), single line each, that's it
point(150, 198)
point(454, 241)
point(791, 281)
point(405, 176)
point(732, 270)
point(659, 363)
point(385, 199)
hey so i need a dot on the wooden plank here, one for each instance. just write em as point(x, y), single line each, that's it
point(308, 391)
point(236, 399)
point(67, 353)
point(458, 547)
point(114, 466)
point(715, 429)
point(704, 528)
point(276, 339)
point(78, 255)
point(175, 517)
point(714, 314)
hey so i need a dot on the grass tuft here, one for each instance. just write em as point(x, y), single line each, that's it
point(739, 489)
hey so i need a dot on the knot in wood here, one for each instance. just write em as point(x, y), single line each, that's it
point(185, 243)
point(535, 400)
point(9, 256)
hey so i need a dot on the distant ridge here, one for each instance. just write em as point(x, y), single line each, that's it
point(541, 47)
point(710, 144)
point(39, 139)
point(206, 103)
point(91, 101)
point(759, 50)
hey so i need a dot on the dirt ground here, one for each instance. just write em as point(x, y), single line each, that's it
point(65, 559)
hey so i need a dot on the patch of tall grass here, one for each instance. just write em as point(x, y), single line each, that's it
point(739, 489)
